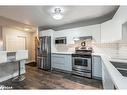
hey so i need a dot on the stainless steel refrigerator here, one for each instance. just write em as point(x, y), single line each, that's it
point(44, 53)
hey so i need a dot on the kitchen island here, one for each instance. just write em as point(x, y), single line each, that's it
point(8, 63)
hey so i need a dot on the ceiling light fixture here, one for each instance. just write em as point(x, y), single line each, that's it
point(57, 13)
point(26, 29)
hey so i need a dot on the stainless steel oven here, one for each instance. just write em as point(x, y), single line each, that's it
point(82, 64)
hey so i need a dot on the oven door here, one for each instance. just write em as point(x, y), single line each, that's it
point(82, 63)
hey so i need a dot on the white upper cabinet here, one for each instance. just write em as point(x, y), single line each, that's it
point(68, 33)
point(124, 32)
point(111, 30)
point(93, 30)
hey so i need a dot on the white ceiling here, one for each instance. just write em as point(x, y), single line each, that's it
point(40, 15)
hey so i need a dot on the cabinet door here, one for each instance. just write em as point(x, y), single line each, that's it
point(106, 79)
point(58, 61)
point(62, 62)
point(96, 67)
point(111, 30)
point(68, 63)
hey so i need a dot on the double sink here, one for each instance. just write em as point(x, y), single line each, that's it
point(121, 67)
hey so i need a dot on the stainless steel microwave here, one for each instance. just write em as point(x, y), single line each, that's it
point(60, 40)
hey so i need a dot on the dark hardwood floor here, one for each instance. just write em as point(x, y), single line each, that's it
point(39, 79)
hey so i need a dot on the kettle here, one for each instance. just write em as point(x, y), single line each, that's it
point(83, 44)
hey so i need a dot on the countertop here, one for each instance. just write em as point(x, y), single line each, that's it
point(118, 80)
point(62, 53)
point(96, 54)
point(9, 56)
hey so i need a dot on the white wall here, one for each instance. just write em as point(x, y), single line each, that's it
point(111, 30)
point(1, 39)
point(11, 32)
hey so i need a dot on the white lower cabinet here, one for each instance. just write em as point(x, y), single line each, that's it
point(61, 61)
point(96, 67)
point(106, 79)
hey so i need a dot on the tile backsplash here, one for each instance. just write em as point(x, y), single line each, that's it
point(122, 50)
point(110, 49)
point(116, 49)
point(71, 47)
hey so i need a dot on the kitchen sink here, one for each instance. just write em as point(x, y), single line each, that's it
point(121, 67)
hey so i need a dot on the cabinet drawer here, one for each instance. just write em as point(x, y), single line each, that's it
point(96, 67)
point(61, 61)
point(58, 60)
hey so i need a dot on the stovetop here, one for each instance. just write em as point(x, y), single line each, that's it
point(82, 53)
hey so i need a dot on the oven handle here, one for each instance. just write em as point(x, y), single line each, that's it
point(80, 58)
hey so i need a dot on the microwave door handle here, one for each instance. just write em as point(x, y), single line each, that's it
point(43, 44)
point(40, 45)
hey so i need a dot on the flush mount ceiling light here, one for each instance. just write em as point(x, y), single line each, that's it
point(57, 13)
point(26, 29)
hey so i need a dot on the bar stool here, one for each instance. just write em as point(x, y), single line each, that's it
point(20, 55)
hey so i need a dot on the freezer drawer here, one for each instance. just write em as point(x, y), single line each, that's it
point(43, 63)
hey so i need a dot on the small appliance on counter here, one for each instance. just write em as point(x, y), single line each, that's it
point(82, 61)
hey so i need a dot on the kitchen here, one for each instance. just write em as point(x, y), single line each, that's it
point(62, 51)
